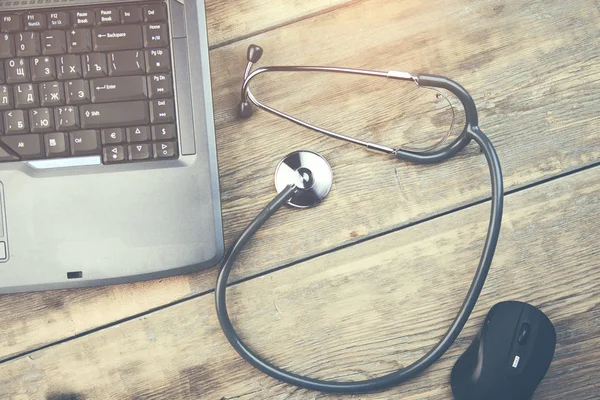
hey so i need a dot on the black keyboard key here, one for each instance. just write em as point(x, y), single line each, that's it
point(52, 94)
point(28, 147)
point(79, 40)
point(17, 70)
point(6, 98)
point(2, 73)
point(165, 150)
point(162, 111)
point(57, 144)
point(58, 20)
point(140, 152)
point(11, 23)
point(160, 86)
point(66, 118)
point(83, 18)
point(43, 69)
point(158, 60)
point(108, 16)
point(123, 37)
point(16, 122)
point(69, 67)
point(136, 134)
point(123, 88)
point(54, 42)
point(85, 143)
point(26, 95)
point(155, 12)
point(28, 44)
point(164, 132)
point(41, 120)
point(77, 92)
point(35, 22)
point(94, 65)
point(110, 115)
point(129, 62)
point(113, 136)
point(7, 45)
point(156, 35)
point(114, 154)
point(132, 14)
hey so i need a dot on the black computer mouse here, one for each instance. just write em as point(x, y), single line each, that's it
point(508, 358)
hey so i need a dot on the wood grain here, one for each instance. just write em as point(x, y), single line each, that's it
point(356, 313)
point(530, 68)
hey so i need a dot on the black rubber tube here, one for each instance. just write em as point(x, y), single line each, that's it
point(395, 378)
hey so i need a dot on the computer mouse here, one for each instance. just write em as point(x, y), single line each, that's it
point(508, 358)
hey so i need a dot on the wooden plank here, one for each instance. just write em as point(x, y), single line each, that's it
point(229, 21)
point(530, 68)
point(356, 313)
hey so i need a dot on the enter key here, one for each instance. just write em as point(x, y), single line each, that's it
point(124, 88)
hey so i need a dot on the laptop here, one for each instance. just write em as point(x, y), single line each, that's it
point(108, 164)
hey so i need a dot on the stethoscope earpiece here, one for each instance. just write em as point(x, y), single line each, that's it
point(310, 173)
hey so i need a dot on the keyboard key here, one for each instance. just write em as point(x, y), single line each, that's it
point(118, 89)
point(140, 152)
point(84, 143)
point(158, 60)
point(52, 94)
point(41, 120)
point(58, 20)
point(16, 122)
point(114, 154)
point(83, 18)
point(132, 15)
point(54, 42)
point(162, 111)
point(26, 95)
point(124, 37)
point(94, 65)
point(160, 86)
point(35, 22)
point(108, 16)
point(6, 99)
point(43, 69)
point(57, 145)
point(113, 136)
point(115, 114)
point(163, 132)
point(77, 92)
point(155, 12)
point(137, 134)
point(17, 70)
point(165, 150)
point(69, 67)
point(7, 46)
point(130, 62)
point(11, 23)
point(156, 35)
point(28, 44)
point(79, 40)
point(66, 118)
point(28, 147)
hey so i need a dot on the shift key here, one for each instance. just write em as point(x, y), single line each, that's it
point(111, 115)
point(120, 37)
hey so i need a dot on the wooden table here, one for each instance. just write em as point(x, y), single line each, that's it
point(366, 282)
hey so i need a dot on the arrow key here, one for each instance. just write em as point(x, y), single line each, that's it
point(114, 154)
point(165, 150)
point(140, 152)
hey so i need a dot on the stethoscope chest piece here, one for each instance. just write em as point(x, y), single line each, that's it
point(310, 173)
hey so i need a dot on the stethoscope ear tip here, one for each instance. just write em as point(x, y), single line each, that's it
point(255, 52)
point(244, 110)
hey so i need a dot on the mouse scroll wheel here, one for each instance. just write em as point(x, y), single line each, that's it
point(524, 333)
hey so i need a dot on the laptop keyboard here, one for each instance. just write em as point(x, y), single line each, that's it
point(85, 81)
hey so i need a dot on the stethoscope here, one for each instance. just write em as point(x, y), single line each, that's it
point(303, 179)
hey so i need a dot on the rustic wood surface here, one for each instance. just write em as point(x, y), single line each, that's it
point(533, 72)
